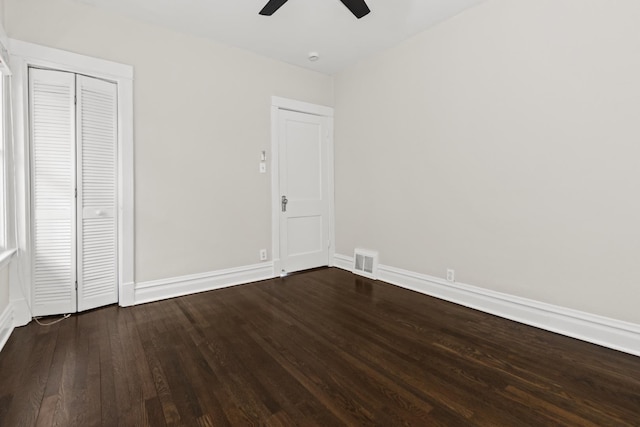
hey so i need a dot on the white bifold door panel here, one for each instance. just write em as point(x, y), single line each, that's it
point(73, 121)
point(303, 175)
point(53, 129)
point(97, 199)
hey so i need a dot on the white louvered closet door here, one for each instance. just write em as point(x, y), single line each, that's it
point(97, 200)
point(74, 142)
point(51, 101)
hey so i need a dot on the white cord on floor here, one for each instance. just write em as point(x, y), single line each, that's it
point(37, 319)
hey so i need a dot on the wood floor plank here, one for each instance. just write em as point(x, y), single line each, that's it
point(368, 340)
point(108, 401)
point(319, 348)
point(368, 378)
point(29, 393)
point(52, 394)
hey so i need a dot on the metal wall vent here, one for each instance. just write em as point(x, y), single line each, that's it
point(365, 263)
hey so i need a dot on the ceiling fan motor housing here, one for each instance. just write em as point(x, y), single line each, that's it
point(358, 7)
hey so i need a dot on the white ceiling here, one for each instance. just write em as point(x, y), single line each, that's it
point(298, 27)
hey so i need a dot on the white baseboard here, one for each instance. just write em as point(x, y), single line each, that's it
point(6, 325)
point(21, 312)
point(127, 295)
point(611, 333)
point(342, 261)
point(157, 290)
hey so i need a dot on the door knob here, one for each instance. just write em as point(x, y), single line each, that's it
point(284, 203)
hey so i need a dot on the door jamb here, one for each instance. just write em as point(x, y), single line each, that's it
point(277, 104)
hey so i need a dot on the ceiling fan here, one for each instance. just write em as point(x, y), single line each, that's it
point(358, 7)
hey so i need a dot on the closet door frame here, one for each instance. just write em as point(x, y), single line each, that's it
point(23, 56)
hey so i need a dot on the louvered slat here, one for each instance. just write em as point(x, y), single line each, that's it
point(53, 181)
point(97, 142)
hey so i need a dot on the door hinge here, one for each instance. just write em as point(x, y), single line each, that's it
point(76, 285)
point(75, 100)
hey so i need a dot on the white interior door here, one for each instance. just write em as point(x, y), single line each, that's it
point(53, 129)
point(74, 200)
point(304, 193)
point(97, 200)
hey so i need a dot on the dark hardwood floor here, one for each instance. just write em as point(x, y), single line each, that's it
point(319, 348)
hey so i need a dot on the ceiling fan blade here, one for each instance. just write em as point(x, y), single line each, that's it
point(271, 7)
point(358, 7)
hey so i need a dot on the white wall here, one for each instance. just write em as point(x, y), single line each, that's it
point(6, 314)
point(4, 288)
point(2, 15)
point(4, 278)
point(202, 116)
point(504, 143)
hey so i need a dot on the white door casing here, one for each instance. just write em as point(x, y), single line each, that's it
point(302, 176)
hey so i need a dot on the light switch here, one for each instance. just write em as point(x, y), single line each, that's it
point(263, 167)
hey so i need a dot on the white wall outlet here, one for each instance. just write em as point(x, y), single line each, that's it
point(263, 254)
point(451, 275)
